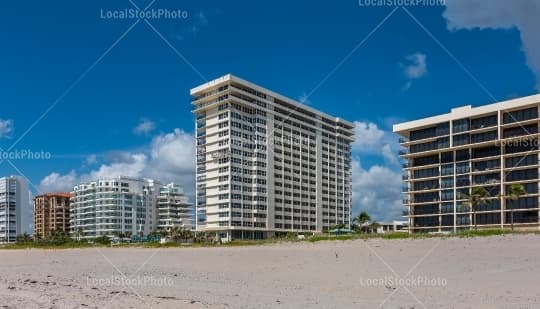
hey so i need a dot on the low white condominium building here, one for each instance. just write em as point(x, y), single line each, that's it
point(108, 207)
point(174, 209)
point(15, 209)
point(267, 164)
point(449, 155)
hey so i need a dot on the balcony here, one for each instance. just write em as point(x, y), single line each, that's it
point(403, 152)
point(405, 177)
point(403, 140)
point(406, 165)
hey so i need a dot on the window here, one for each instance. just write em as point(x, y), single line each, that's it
point(520, 131)
point(462, 155)
point(484, 137)
point(460, 125)
point(447, 157)
point(485, 152)
point(447, 195)
point(425, 173)
point(447, 169)
point(522, 175)
point(422, 134)
point(447, 182)
point(484, 122)
point(522, 161)
point(462, 139)
point(521, 115)
point(428, 160)
point(462, 168)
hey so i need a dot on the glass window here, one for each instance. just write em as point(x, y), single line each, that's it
point(462, 168)
point(447, 182)
point(462, 155)
point(443, 129)
point(447, 157)
point(462, 139)
point(484, 122)
point(460, 125)
point(447, 169)
point(520, 115)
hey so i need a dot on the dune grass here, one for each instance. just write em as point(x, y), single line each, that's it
point(289, 239)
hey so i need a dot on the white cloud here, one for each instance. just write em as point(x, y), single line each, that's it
point(389, 154)
point(367, 136)
point(58, 183)
point(91, 159)
point(131, 165)
point(304, 99)
point(171, 158)
point(377, 190)
point(6, 128)
point(144, 127)
point(524, 15)
point(198, 21)
point(370, 139)
point(416, 66)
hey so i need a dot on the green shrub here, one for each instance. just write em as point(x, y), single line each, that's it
point(103, 240)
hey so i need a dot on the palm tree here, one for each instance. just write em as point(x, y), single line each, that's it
point(173, 233)
point(24, 238)
point(362, 218)
point(514, 193)
point(478, 196)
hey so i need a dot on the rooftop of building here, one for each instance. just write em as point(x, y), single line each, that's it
point(466, 112)
point(229, 77)
point(54, 194)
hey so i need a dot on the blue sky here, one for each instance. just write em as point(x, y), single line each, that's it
point(130, 112)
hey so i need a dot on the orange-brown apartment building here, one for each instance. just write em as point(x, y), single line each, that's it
point(51, 212)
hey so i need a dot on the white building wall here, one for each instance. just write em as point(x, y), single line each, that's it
point(303, 195)
point(15, 209)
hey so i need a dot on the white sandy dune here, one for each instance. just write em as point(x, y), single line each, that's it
point(494, 272)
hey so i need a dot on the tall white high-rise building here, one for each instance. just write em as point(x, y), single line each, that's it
point(107, 207)
point(267, 164)
point(15, 209)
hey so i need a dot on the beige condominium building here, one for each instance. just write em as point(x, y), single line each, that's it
point(491, 146)
point(267, 164)
point(51, 212)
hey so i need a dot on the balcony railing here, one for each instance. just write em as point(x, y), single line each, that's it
point(403, 152)
point(405, 177)
point(403, 140)
point(406, 165)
